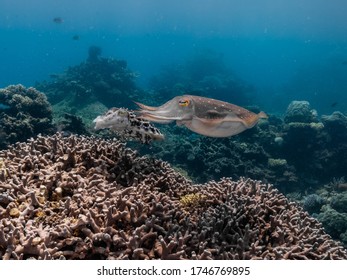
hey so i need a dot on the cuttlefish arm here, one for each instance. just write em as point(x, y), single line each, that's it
point(145, 107)
point(149, 113)
point(166, 113)
point(157, 119)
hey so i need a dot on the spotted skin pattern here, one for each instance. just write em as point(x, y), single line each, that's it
point(128, 126)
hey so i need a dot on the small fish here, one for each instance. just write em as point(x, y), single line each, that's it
point(58, 20)
point(128, 126)
point(205, 116)
point(75, 37)
point(333, 105)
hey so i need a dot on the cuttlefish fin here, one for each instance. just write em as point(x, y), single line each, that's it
point(262, 115)
point(216, 121)
point(253, 119)
point(216, 128)
point(145, 107)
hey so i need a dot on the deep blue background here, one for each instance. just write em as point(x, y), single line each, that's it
point(286, 49)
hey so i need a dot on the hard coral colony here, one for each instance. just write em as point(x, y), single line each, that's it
point(27, 113)
point(88, 198)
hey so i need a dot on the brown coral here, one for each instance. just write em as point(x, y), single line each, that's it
point(86, 198)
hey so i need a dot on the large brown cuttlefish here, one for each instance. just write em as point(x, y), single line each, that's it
point(206, 116)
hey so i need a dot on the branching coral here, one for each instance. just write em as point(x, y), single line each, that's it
point(86, 198)
point(3, 171)
point(193, 200)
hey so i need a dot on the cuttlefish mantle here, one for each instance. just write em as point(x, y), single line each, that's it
point(206, 116)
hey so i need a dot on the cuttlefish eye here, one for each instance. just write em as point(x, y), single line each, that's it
point(183, 102)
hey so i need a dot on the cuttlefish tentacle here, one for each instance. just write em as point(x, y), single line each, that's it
point(165, 113)
point(154, 114)
point(145, 107)
point(157, 119)
point(206, 116)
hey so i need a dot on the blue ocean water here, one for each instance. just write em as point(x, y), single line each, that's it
point(4, 107)
point(285, 49)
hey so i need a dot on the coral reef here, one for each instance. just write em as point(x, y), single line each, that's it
point(301, 112)
point(337, 184)
point(87, 198)
point(24, 114)
point(250, 154)
point(298, 153)
point(336, 124)
point(297, 157)
point(292, 155)
point(73, 124)
point(339, 202)
point(335, 145)
point(277, 162)
point(328, 205)
point(302, 136)
point(91, 88)
point(334, 222)
point(313, 203)
point(99, 82)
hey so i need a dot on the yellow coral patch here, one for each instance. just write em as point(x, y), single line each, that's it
point(40, 214)
point(193, 200)
point(14, 212)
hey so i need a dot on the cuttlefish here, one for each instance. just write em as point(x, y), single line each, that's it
point(206, 116)
point(127, 125)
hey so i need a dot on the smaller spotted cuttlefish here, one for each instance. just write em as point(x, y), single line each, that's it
point(206, 116)
point(127, 125)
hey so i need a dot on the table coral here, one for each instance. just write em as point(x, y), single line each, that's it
point(88, 198)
